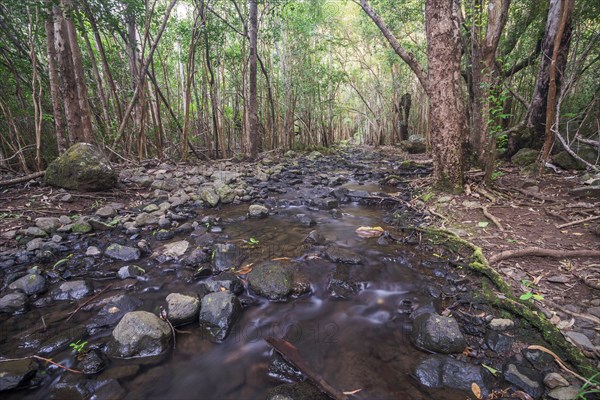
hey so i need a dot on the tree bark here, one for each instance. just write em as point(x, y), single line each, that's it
point(252, 135)
point(446, 112)
point(59, 124)
point(536, 115)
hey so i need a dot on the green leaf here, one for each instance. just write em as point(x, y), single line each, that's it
point(526, 296)
point(493, 371)
point(483, 224)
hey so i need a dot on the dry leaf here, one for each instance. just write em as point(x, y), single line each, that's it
point(246, 269)
point(352, 392)
point(476, 390)
point(281, 259)
point(555, 319)
point(565, 324)
point(369, 231)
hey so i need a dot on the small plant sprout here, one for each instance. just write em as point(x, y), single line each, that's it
point(78, 346)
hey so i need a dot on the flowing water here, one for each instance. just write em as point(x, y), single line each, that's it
point(358, 343)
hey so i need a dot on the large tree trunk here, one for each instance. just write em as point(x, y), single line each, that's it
point(536, 115)
point(68, 86)
point(252, 138)
point(59, 124)
point(446, 112)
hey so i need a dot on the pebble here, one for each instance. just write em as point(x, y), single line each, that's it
point(559, 279)
point(92, 251)
point(580, 340)
point(554, 380)
point(501, 324)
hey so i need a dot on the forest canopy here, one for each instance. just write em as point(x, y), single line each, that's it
point(181, 79)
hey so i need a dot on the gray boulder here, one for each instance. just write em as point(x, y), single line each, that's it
point(13, 303)
point(29, 284)
point(183, 309)
point(258, 211)
point(122, 253)
point(82, 167)
point(525, 157)
point(209, 195)
point(271, 280)
point(439, 334)
point(47, 224)
point(139, 334)
point(15, 374)
point(218, 312)
point(339, 255)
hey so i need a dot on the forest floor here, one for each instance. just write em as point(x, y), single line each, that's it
point(518, 212)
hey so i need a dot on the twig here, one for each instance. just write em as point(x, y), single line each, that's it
point(20, 179)
point(595, 217)
point(540, 252)
point(589, 317)
point(558, 361)
point(88, 301)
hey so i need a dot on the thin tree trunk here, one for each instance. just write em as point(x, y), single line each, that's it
point(252, 136)
point(36, 90)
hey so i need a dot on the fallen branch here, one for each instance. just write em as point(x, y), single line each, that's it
point(540, 252)
point(88, 302)
point(291, 355)
point(588, 219)
point(75, 371)
point(21, 179)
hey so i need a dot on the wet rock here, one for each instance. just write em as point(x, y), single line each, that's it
point(271, 280)
point(122, 253)
point(112, 312)
point(226, 256)
point(437, 371)
point(501, 324)
point(580, 340)
point(16, 374)
point(139, 334)
point(439, 334)
point(226, 193)
point(47, 224)
point(305, 220)
point(62, 340)
point(524, 377)
point(209, 195)
point(258, 211)
point(223, 281)
point(35, 232)
point(340, 285)
point(498, 342)
point(295, 391)
point(109, 390)
point(197, 257)
point(130, 271)
point(182, 309)
point(316, 237)
point(326, 203)
point(163, 235)
point(282, 370)
point(176, 249)
point(70, 386)
point(91, 362)
point(564, 393)
point(339, 255)
point(554, 380)
point(29, 284)
point(218, 312)
point(82, 167)
point(72, 290)
point(525, 157)
point(13, 303)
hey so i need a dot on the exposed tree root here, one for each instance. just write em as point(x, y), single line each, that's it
point(492, 218)
point(507, 301)
point(541, 252)
point(580, 221)
point(22, 179)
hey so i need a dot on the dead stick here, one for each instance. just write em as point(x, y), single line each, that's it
point(540, 252)
point(291, 355)
point(558, 361)
point(57, 364)
point(88, 301)
point(578, 221)
point(25, 178)
point(489, 216)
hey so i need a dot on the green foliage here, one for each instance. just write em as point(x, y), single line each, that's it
point(590, 387)
point(78, 346)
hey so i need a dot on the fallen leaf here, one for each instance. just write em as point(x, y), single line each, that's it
point(369, 231)
point(246, 269)
point(281, 259)
point(476, 390)
point(351, 392)
point(483, 224)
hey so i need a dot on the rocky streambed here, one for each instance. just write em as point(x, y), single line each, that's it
point(173, 296)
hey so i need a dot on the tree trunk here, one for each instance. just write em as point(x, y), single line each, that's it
point(446, 112)
point(252, 135)
point(59, 124)
point(68, 87)
point(82, 94)
point(536, 115)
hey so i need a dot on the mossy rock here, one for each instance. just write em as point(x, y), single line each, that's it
point(83, 167)
point(565, 161)
point(525, 157)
